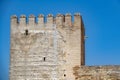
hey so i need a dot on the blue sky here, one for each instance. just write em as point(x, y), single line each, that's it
point(101, 19)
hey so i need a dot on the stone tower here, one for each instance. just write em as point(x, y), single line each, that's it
point(46, 50)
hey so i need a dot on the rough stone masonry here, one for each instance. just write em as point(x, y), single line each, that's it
point(46, 51)
point(52, 50)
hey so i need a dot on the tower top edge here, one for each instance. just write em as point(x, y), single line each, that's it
point(22, 16)
point(60, 15)
point(77, 14)
point(68, 14)
point(49, 15)
point(13, 16)
point(31, 16)
point(40, 15)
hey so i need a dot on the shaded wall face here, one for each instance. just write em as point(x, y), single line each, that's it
point(45, 50)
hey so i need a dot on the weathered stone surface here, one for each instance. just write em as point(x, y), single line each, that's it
point(46, 51)
point(97, 72)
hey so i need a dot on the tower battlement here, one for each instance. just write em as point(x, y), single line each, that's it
point(59, 20)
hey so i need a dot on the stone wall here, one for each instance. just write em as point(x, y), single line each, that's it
point(97, 72)
point(46, 50)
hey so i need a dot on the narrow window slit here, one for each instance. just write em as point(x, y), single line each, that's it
point(44, 59)
point(26, 32)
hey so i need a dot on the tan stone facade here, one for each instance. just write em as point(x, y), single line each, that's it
point(46, 51)
point(52, 50)
point(109, 72)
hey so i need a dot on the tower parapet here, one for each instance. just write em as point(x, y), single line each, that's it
point(59, 20)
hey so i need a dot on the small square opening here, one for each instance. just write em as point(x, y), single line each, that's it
point(64, 75)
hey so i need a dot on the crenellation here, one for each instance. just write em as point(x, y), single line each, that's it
point(67, 14)
point(41, 15)
point(68, 20)
point(50, 15)
point(60, 15)
point(22, 20)
point(77, 14)
point(31, 16)
point(41, 20)
point(59, 20)
point(22, 16)
point(14, 20)
point(50, 20)
point(13, 16)
point(32, 20)
point(77, 20)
